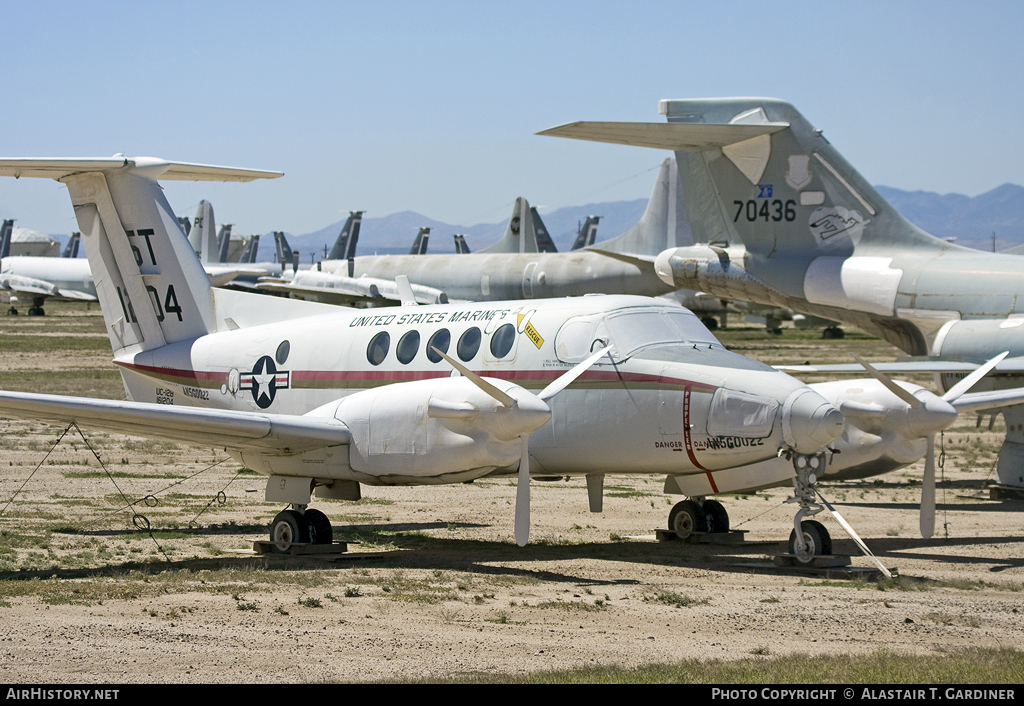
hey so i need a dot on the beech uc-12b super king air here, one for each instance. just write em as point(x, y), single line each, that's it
point(322, 398)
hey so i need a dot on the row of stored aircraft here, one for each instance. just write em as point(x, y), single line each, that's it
point(322, 399)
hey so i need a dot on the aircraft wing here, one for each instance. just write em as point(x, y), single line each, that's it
point(1005, 366)
point(30, 286)
point(222, 274)
point(977, 401)
point(243, 431)
point(680, 137)
point(333, 288)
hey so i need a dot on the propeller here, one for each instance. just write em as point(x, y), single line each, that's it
point(522, 522)
point(931, 413)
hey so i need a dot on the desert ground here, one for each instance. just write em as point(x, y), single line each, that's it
point(433, 584)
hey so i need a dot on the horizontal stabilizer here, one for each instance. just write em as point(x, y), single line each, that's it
point(151, 166)
point(681, 137)
point(242, 431)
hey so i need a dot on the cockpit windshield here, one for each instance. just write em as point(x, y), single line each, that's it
point(627, 331)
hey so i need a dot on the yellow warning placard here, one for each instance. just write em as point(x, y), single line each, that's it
point(532, 334)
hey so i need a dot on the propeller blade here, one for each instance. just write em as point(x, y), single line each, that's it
point(889, 383)
point(522, 530)
point(856, 538)
point(487, 387)
point(928, 491)
point(568, 377)
point(968, 382)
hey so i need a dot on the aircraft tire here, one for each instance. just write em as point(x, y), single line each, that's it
point(12, 311)
point(686, 518)
point(816, 536)
point(288, 528)
point(717, 517)
point(710, 323)
point(319, 527)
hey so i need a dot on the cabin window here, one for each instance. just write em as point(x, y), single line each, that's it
point(502, 340)
point(407, 347)
point(377, 351)
point(469, 344)
point(736, 413)
point(440, 340)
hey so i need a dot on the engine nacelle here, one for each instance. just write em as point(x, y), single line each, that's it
point(441, 430)
point(976, 340)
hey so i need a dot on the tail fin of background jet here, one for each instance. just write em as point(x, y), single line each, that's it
point(664, 224)
point(520, 235)
point(284, 252)
point(461, 248)
point(345, 246)
point(223, 242)
point(587, 233)
point(754, 172)
point(71, 249)
point(251, 247)
point(544, 241)
point(419, 246)
point(203, 235)
point(6, 231)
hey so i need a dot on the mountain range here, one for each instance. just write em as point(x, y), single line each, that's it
point(971, 221)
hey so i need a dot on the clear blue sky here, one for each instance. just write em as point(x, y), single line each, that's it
point(432, 106)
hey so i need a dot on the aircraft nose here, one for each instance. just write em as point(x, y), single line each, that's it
point(810, 422)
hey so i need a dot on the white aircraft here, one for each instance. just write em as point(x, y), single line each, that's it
point(321, 398)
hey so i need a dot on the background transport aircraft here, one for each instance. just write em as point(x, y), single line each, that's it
point(322, 399)
point(780, 218)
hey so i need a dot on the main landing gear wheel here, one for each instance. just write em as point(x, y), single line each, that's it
point(320, 531)
point(816, 540)
point(686, 518)
point(288, 528)
point(710, 323)
point(717, 517)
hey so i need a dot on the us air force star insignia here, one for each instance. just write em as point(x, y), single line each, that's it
point(264, 381)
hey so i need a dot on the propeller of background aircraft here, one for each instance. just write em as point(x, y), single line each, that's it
point(926, 415)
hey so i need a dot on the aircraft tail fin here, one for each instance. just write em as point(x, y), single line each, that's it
point(754, 171)
point(587, 233)
point(203, 235)
point(71, 249)
point(6, 231)
point(544, 241)
point(249, 253)
point(151, 286)
point(223, 243)
point(461, 248)
point(284, 251)
point(664, 224)
point(345, 246)
point(520, 235)
point(419, 246)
